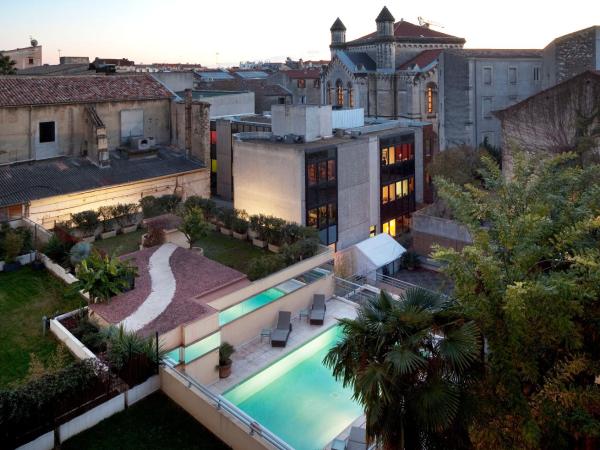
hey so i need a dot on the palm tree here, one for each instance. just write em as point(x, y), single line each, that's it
point(410, 363)
point(7, 65)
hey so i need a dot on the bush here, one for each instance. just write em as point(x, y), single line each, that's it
point(226, 217)
point(303, 249)
point(124, 213)
point(240, 225)
point(13, 243)
point(154, 236)
point(274, 230)
point(262, 266)
point(103, 277)
point(410, 260)
point(208, 206)
point(258, 225)
point(194, 225)
point(291, 232)
point(106, 214)
point(86, 221)
point(153, 206)
point(57, 250)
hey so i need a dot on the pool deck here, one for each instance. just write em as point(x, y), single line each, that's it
point(255, 355)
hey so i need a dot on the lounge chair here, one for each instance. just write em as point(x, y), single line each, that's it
point(317, 312)
point(282, 331)
point(357, 439)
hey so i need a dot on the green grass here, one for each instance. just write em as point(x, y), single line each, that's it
point(229, 251)
point(26, 296)
point(154, 423)
point(121, 244)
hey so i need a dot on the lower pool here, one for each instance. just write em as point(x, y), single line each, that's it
point(298, 398)
point(249, 305)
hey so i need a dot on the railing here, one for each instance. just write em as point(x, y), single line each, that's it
point(221, 403)
point(395, 282)
point(353, 290)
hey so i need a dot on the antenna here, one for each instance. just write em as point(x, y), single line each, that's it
point(428, 23)
point(33, 41)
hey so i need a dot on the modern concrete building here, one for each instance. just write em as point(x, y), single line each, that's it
point(90, 141)
point(361, 181)
point(27, 57)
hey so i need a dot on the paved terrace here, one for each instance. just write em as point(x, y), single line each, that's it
point(254, 356)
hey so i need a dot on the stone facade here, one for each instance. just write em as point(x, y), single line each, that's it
point(25, 58)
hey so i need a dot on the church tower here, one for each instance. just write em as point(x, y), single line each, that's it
point(338, 35)
point(386, 52)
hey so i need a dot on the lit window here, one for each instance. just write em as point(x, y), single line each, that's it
point(312, 217)
point(213, 165)
point(429, 100)
point(386, 228)
point(404, 187)
point(411, 185)
point(390, 227)
point(350, 96)
point(322, 171)
point(372, 231)
point(391, 155)
point(385, 196)
point(312, 174)
point(331, 170)
point(340, 95)
point(392, 189)
point(399, 192)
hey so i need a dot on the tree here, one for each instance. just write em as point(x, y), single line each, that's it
point(194, 226)
point(531, 280)
point(7, 66)
point(410, 363)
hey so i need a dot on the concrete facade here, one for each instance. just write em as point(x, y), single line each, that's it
point(20, 128)
point(25, 57)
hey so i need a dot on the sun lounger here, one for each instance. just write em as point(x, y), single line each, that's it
point(317, 313)
point(282, 331)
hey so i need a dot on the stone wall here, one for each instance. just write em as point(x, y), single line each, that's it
point(199, 128)
point(428, 230)
point(453, 90)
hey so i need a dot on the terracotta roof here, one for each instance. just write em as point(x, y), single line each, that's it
point(309, 73)
point(26, 91)
point(338, 25)
point(422, 60)
point(502, 52)
point(385, 16)
point(404, 29)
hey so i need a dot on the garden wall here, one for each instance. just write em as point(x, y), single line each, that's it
point(428, 230)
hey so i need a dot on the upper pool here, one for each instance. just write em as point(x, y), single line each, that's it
point(298, 398)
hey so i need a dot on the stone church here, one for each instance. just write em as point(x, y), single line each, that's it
point(391, 73)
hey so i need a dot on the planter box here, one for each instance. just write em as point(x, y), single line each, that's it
point(88, 239)
point(252, 234)
point(274, 248)
point(225, 231)
point(258, 243)
point(27, 258)
point(241, 237)
point(129, 229)
point(11, 267)
point(108, 234)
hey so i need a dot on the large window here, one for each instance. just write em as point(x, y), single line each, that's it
point(340, 92)
point(431, 98)
point(397, 153)
point(321, 193)
point(47, 132)
point(350, 96)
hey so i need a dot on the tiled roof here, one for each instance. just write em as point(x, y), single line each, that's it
point(404, 29)
point(422, 60)
point(20, 183)
point(310, 73)
point(26, 91)
point(502, 52)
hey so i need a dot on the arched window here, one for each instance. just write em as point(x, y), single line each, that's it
point(350, 96)
point(431, 98)
point(339, 87)
point(328, 87)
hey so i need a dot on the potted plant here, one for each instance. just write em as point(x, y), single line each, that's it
point(240, 228)
point(86, 222)
point(226, 217)
point(13, 243)
point(225, 352)
point(260, 231)
point(125, 215)
point(254, 225)
point(274, 233)
point(194, 226)
point(106, 214)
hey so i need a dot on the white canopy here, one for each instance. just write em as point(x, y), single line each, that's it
point(373, 253)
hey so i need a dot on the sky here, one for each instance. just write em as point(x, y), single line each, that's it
point(224, 33)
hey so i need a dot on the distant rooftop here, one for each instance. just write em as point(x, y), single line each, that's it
point(502, 52)
point(23, 182)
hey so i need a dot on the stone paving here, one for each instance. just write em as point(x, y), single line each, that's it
point(257, 354)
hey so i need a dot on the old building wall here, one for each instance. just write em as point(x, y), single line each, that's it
point(199, 129)
point(20, 129)
point(455, 119)
point(25, 57)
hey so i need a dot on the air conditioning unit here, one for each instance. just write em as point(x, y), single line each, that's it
point(151, 141)
point(140, 143)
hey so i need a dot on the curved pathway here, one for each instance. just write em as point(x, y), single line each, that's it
point(162, 291)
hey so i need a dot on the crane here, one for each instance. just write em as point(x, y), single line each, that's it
point(428, 23)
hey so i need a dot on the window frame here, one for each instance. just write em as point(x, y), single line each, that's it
point(513, 69)
point(42, 137)
point(491, 72)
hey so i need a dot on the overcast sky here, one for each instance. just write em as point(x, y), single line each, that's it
point(196, 31)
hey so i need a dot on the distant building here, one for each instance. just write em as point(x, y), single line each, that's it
point(304, 84)
point(364, 180)
point(96, 140)
point(570, 55)
point(74, 60)
point(25, 57)
point(555, 120)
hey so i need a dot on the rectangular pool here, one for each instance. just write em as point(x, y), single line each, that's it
point(249, 305)
point(298, 398)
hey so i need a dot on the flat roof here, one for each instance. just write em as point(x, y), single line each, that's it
point(173, 288)
point(200, 94)
point(23, 182)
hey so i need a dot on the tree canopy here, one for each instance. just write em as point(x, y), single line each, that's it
point(7, 65)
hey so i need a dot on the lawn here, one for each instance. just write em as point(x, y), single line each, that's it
point(25, 297)
point(229, 251)
point(121, 244)
point(155, 422)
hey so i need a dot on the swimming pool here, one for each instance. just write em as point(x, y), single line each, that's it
point(297, 397)
point(249, 305)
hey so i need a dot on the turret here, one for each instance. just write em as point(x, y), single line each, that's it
point(385, 23)
point(338, 32)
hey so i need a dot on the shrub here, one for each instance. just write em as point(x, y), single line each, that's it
point(154, 236)
point(153, 206)
point(13, 243)
point(274, 230)
point(57, 250)
point(86, 221)
point(410, 260)
point(106, 214)
point(291, 232)
point(262, 266)
point(258, 224)
point(240, 225)
point(303, 249)
point(194, 225)
point(125, 213)
point(226, 217)
point(103, 277)
point(89, 334)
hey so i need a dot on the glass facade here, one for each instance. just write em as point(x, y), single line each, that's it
point(321, 193)
point(397, 189)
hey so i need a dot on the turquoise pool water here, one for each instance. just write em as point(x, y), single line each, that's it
point(297, 397)
point(195, 350)
point(249, 305)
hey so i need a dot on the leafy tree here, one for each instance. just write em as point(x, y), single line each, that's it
point(194, 226)
point(102, 277)
point(410, 364)
point(460, 165)
point(7, 65)
point(531, 280)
